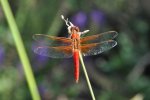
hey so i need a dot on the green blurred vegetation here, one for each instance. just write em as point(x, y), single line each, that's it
point(118, 74)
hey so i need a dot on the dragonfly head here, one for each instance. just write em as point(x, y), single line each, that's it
point(71, 28)
point(74, 29)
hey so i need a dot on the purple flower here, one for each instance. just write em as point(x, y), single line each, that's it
point(45, 93)
point(38, 60)
point(41, 59)
point(79, 19)
point(2, 53)
point(42, 89)
point(98, 17)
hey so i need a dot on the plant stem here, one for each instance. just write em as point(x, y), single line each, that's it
point(21, 50)
point(86, 75)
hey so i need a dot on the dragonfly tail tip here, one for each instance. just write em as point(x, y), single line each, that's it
point(77, 81)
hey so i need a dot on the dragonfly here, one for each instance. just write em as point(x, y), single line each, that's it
point(71, 46)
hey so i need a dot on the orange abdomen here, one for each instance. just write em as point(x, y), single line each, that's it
point(76, 65)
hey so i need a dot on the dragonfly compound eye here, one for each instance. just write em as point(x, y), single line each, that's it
point(77, 29)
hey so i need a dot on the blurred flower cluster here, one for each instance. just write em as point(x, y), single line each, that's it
point(82, 19)
point(121, 73)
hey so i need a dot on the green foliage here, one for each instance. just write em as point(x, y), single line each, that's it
point(118, 74)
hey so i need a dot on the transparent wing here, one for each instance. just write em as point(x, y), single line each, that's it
point(99, 37)
point(51, 40)
point(54, 52)
point(97, 48)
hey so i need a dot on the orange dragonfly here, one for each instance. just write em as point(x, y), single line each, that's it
point(62, 47)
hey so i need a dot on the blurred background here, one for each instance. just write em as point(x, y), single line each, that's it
point(122, 73)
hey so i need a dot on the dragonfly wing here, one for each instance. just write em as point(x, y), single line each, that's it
point(51, 40)
point(99, 37)
point(54, 52)
point(97, 48)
